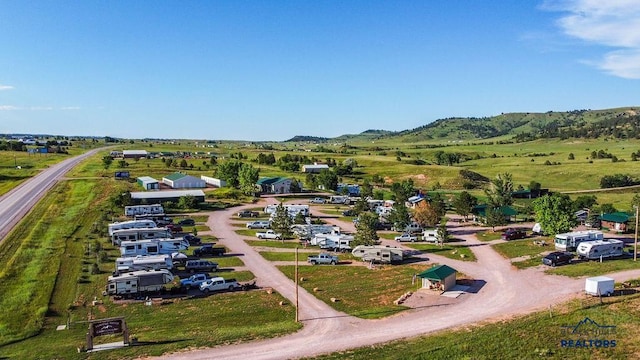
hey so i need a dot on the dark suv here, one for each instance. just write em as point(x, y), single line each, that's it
point(208, 249)
point(187, 222)
point(557, 258)
point(513, 234)
point(194, 266)
point(247, 213)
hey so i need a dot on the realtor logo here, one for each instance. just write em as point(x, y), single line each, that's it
point(588, 334)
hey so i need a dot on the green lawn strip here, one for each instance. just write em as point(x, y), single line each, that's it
point(516, 248)
point(248, 232)
point(199, 227)
point(287, 244)
point(207, 238)
point(594, 268)
point(32, 256)
point(533, 336)
point(390, 235)
point(457, 252)
point(221, 318)
point(370, 297)
point(227, 261)
point(532, 261)
point(488, 235)
point(285, 256)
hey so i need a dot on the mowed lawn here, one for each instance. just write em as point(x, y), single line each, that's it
point(360, 291)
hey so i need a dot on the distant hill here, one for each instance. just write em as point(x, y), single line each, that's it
point(303, 138)
point(619, 123)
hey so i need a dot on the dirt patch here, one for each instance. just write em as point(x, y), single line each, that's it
point(428, 298)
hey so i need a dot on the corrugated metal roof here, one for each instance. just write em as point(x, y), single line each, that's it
point(166, 194)
point(271, 180)
point(439, 273)
point(175, 176)
point(616, 217)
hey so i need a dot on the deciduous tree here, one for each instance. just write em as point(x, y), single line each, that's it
point(554, 213)
point(464, 203)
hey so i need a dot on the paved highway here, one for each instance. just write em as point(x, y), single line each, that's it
point(15, 204)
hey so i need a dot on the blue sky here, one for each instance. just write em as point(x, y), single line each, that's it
point(269, 70)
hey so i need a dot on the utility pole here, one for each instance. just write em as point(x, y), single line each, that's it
point(635, 241)
point(296, 282)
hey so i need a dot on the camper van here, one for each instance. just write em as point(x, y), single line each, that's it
point(430, 235)
point(152, 247)
point(155, 209)
point(119, 236)
point(138, 282)
point(133, 224)
point(597, 249)
point(378, 254)
point(569, 241)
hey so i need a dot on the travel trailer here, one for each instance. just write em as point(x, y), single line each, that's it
point(151, 262)
point(336, 243)
point(119, 236)
point(293, 210)
point(138, 282)
point(569, 241)
point(152, 247)
point(155, 209)
point(598, 249)
point(132, 224)
point(378, 254)
point(430, 235)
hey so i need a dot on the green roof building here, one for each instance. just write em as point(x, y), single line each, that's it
point(440, 277)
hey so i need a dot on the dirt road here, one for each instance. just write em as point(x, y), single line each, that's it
point(506, 291)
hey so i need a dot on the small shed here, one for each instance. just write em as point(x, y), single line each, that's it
point(440, 277)
point(616, 221)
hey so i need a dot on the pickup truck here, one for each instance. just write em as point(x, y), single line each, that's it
point(317, 200)
point(406, 237)
point(218, 283)
point(269, 234)
point(193, 281)
point(322, 258)
point(208, 249)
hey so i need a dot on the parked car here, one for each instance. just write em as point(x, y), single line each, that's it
point(557, 258)
point(322, 258)
point(192, 239)
point(349, 212)
point(187, 222)
point(219, 284)
point(248, 213)
point(406, 237)
point(269, 234)
point(259, 225)
point(174, 228)
point(513, 234)
point(380, 225)
point(208, 249)
point(193, 266)
point(193, 281)
point(317, 200)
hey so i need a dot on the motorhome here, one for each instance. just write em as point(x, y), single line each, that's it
point(379, 254)
point(293, 210)
point(151, 262)
point(569, 241)
point(133, 210)
point(139, 234)
point(152, 247)
point(598, 249)
point(132, 224)
point(339, 199)
point(138, 282)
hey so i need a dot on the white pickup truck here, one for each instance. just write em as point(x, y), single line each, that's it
point(406, 237)
point(269, 234)
point(219, 284)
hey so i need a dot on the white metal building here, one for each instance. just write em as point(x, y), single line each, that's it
point(148, 183)
point(213, 181)
point(183, 181)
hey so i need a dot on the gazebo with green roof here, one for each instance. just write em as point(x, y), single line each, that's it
point(439, 277)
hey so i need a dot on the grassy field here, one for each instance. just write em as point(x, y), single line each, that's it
point(370, 297)
point(530, 337)
point(457, 252)
point(488, 235)
point(594, 268)
point(288, 244)
point(516, 248)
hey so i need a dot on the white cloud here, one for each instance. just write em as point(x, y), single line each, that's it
point(6, 87)
point(40, 108)
point(8, 107)
point(611, 23)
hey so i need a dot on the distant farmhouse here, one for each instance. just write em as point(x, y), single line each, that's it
point(275, 185)
point(315, 168)
point(179, 180)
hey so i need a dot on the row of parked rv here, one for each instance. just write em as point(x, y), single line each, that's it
point(587, 245)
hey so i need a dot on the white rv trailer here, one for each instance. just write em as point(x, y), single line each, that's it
point(133, 210)
point(138, 282)
point(597, 249)
point(378, 253)
point(132, 224)
point(152, 247)
point(139, 234)
point(336, 242)
point(293, 210)
point(151, 262)
point(569, 241)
